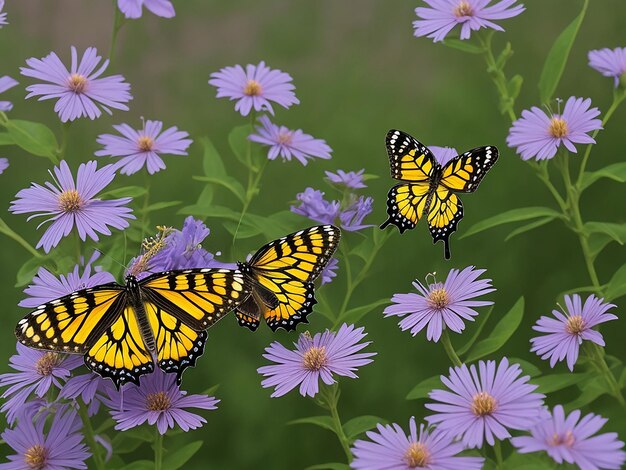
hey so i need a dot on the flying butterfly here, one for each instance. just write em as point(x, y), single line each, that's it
point(122, 330)
point(281, 276)
point(429, 188)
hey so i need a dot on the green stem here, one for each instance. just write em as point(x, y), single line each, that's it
point(497, 450)
point(118, 22)
point(5, 229)
point(497, 76)
point(65, 129)
point(145, 217)
point(447, 345)
point(329, 400)
point(541, 168)
point(158, 450)
point(90, 437)
point(594, 353)
point(77, 246)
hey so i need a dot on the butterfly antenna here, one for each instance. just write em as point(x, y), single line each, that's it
point(106, 255)
point(433, 275)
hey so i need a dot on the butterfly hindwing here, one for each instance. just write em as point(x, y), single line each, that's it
point(406, 204)
point(445, 212)
point(465, 172)
point(409, 159)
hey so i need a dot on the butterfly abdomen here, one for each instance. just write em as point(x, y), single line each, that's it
point(136, 301)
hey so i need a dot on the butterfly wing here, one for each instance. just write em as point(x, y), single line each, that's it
point(406, 204)
point(409, 159)
point(446, 210)
point(465, 172)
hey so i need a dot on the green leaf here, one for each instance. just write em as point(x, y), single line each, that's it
point(617, 285)
point(227, 182)
point(527, 367)
point(125, 191)
point(243, 230)
point(500, 334)
point(529, 462)
point(275, 225)
point(325, 422)
point(124, 444)
point(597, 243)
point(355, 314)
point(28, 270)
point(557, 57)
point(422, 389)
point(178, 458)
point(514, 215)
point(34, 137)
point(6, 139)
point(553, 382)
point(139, 465)
point(616, 172)
point(360, 424)
point(617, 232)
point(528, 227)
point(239, 144)
point(161, 205)
point(463, 45)
point(213, 210)
point(329, 466)
point(514, 86)
point(590, 392)
point(212, 161)
point(504, 56)
point(480, 324)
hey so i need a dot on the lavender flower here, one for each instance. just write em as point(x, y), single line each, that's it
point(254, 87)
point(91, 388)
point(315, 357)
point(158, 401)
point(441, 305)
point(6, 83)
point(443, 154)
point(68, 204)
point(393, 449)
point(61, 448)
point(79, 90)
point(441, 16)
point(143, 147)
point(132, 8)
point(46, 286)
point(610, 63)
point(315, 207)
point(289, 144)
point(329, 271)
point(537, 135)
point(482, 403)
point(566, 333)
point(352, 217)
point(351, 179)
point(569, 439)
point(4, 164)
point(3, 16)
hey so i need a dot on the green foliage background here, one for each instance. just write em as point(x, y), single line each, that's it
point(358, 71)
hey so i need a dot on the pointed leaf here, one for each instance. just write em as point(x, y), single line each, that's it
point(554, 382)
point(422, 389)
point(463, 45)
point(528, 368)
point(125, 191)
point(515, 86)
point(616, 172)
point(178, 458)
point(161, 205)
point(616, 231)
point(325, 422)
point(617, 285)
point(240, 145)
point(354, 315)
point(528, 227)
point(34, 137)
point(360, 424)
point(211, 161)
point(220, 212)
point(227, 182)
point(6, 139)
point(480, 322)
point(515, 215)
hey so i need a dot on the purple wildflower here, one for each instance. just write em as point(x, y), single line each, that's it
point(158, 401)
point(315, 357)
point(609, 62)
point(91, 388)
point(3, 15)
point(537, 135)
point(61, 448)
point(482, 403)
point(393, 449)
point(351, 179)
point(254, 87)
point(443, 154)
point(79, 89)
point(132, 9)
point(329, 271)
point(68, 204)
point(6, 83)
point(441, 305)
point(315, 207)
point(441, 16)
point(569, 439)
point(566, 333)
point(143, 147)
point(352, 217)
point(289, 144)
point(4, 164)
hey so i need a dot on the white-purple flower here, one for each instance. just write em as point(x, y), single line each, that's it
point(315, 358)
point(132, 9)
point(568, 438)
point(441, 16)
point(441, 305)
point(610, 63)
point(483, 403)
point(313, 205)
point(80, 91)
point(289, 144)
point(91, 388)
point(391, 448)
point(567, 331)
point(351, 218)
point(538, 135)
point(67, 204)
point(6, 83)
point(350, 179)
point(4, 164)
point(3, 15)
point(329, 271)
point(254, 88)
point(443, 154)
point(139, 148)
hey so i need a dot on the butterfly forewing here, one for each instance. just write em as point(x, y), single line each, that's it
point(409, 159)
point(465, 172)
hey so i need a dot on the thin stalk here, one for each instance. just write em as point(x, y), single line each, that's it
point(329, 400)
point(597, 358)
point(447, 345)
point(65, 129)
point(497, 450)
point(158, 450)
point(145, 218)
point(118, 22)
point(5, 229)
point(90, 437)
point(497, 75)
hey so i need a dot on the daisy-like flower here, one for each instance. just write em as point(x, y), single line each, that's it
point(132, 9)
point(69, 204)
point(139, 148)
point(37, 371)
point(571, 439)
point(313, 205)
point(441, 16)
point(61, 448)
point(482, 403)
point(537, 135)
point(392, 448)
point(441, 305)
point(80, 91)
point(254, 87)
point(329, 272)
point(158, 401)
point(443, 154)
point(3, 15)
point(4, 164)
point(91, 388)
point(351, 219)
point(315, 358)
point(567, 331)
point(351, 179)
point(6, 83)
point(610, 63)
point(289, 144)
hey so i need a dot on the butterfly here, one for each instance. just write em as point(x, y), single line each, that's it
point(429, 188)
point(281, 274)
point(123, 329)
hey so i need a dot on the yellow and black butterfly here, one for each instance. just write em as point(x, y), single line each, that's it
point(123, 329)
point(429, 188)
point(281, 274)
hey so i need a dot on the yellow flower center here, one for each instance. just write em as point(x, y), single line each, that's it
point(252, 88)
point(417, 455)
point(151, 246)
point(558, 127)
point(483, 404)
point(463, 9)
point(566, 440)
point(46, 363)
point(284, 138)
point(575, 325)
point(35, 457)
point(77, 83)
point(439, 298)
point(158, 401)
point(315, 358)
point(70, 201)
point(145, 143)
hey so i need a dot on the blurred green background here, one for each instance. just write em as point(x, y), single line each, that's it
point(358, 71)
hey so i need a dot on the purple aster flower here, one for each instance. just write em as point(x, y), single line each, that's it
point(6, 83)
point(254, 87)
point(482, 403)
point(609, 62)
point(567, 331)
point(352, 217)
point(329, 271)
point(68, 204)
point(393, 449)
point(158, 401)
point(91, 388)
point(3, 16)
point(289, 144)
point(351, 179)
point(143, 147)
point(315, 357)
point(132, 8)
point(443, 154)
point(4, 164)
point(47, 287)
point(61, 448)
point(37, 371)
point(441, 16)
point(315, 207)
point(79, 90)
point(441, 305)
point(571, 439)
point(537, 135)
